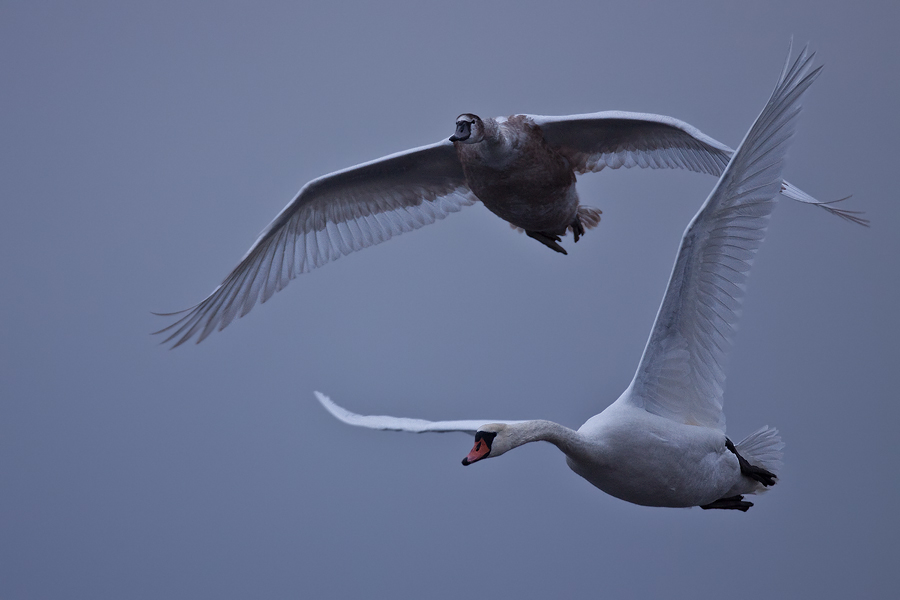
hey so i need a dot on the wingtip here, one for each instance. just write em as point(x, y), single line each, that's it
point(338, 412)
point(852, 216)
point(178, 325)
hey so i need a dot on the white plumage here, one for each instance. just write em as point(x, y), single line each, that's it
point(663, 443)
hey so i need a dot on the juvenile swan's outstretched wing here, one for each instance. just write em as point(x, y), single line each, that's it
point(614, 139)
point(386, 423)
point(332, 216)
point(681, 374)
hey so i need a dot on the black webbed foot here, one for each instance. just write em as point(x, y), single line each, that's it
point(755, 473)
point(547, 239)
point(729, 503)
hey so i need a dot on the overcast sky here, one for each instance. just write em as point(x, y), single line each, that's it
point(145, 145)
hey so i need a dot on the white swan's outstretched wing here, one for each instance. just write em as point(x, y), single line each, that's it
point(681, 374)
point(332, 216)
point(386, 423)
point(613, 139)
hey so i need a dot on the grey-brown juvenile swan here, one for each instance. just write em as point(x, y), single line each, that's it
point(522, 168)
point(663, 443)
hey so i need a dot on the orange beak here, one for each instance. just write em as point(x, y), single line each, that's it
point(479, 451)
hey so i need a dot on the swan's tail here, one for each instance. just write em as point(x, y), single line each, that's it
point(762, 448)
point(590, 216)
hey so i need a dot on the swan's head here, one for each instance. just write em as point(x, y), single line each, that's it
point(469, 129)
point(490, 440)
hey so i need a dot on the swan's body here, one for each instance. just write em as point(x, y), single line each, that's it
point(522, 168)
point(519, 177)
point(663, 443)
point(677, 465)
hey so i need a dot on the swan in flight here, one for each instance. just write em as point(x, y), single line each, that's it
point(663, 443)
point(522, 168)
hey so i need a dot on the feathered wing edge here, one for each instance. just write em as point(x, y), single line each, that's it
point(331, 217)
point(616, 139)
point(789, 190)
point(386, 423)
point(681, 373)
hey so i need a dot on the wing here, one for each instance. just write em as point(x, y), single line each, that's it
point(681, 374)
point(386, 423)
point(614, 139)
point(330, 217)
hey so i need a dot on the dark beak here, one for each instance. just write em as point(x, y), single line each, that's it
point(453, 138)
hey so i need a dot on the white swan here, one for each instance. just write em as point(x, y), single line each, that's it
point(522, 168)
point(663, 443)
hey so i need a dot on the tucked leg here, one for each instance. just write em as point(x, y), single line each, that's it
point(755, 473)
point(547, 239)
point(730, 503)
point(577, 228)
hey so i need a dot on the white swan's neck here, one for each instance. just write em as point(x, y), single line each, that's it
point(572, 444)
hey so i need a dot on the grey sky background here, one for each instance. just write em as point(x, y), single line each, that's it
point(146, 144)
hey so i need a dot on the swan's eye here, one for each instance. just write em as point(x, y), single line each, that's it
point(482, 447)
point(484, 437)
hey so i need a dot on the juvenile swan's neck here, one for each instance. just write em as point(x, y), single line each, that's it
point(573, 444)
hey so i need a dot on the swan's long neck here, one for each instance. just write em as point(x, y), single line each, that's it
point(573, 444)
